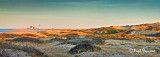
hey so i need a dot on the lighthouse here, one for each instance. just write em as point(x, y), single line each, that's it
point(39, 27)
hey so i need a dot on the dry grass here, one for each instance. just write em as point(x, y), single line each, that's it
point(134, 43)
point(31, 50)
point(51, 49)
point(125, 51)
point(65, 32)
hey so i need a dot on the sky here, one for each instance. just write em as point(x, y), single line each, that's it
point(61, 14)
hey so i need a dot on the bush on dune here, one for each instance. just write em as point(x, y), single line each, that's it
point(122, 36)
point(113, 31)
point(85, 47)
point(57, 39)
point(30, 50)
point(156, 28)
point(98, 41)
point(26, 39)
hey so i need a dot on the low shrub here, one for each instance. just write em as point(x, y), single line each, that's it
point(23, 48)
point(113, 31)
point(97, 41)
point(85, 47)
point(26, 39)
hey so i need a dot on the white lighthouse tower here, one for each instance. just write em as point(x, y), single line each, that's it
point(39, 27)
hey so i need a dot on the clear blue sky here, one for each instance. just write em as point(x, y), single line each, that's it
point(77, 13)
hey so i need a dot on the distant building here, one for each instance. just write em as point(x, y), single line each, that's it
point(31, 27)
point(39, 27)
point(34, 28)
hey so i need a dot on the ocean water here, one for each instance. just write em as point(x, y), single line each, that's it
point(5, 30)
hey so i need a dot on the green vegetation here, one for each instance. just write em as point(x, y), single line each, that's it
point(84, 48)
point(113, 31)
point(98, 41)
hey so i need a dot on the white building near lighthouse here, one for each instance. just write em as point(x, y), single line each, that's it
point(39, 27)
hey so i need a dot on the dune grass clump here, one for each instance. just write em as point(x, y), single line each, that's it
point(26, 39)
point(57, 39)
point(31, 50)
point(97, 41)
point(85, 47)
